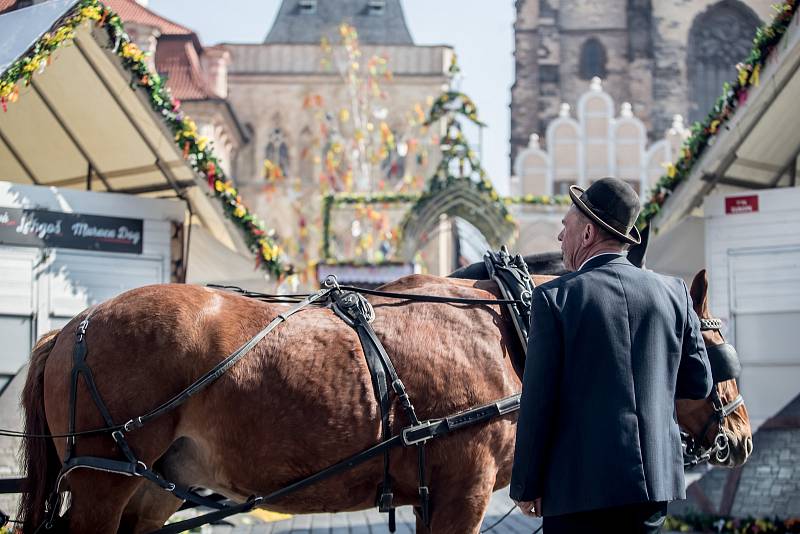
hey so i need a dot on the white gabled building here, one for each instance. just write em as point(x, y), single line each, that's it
point(738, 215)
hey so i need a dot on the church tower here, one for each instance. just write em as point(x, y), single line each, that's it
point(308, 21)
point(664, 58)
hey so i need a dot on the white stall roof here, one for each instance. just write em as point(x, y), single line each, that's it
point(22, 28)
point(79, 124)
point(758, 148)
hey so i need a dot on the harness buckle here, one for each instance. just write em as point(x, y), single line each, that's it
point(331, 282)
point(414, 435)
point(385, 502)
point(137, 471)
point(133, 424)
point(117, 436)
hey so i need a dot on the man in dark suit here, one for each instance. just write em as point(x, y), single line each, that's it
point(611, 347)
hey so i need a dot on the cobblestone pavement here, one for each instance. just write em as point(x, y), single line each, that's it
point(370, 522)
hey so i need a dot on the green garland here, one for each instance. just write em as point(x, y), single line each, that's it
point(539, 200)
point(195, 149)
point(733, 96)
point(329, 202)
point(730, 525)
point(339, 199)
point(456, 152)
point(453, 101)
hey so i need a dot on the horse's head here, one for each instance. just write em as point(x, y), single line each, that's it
point(718, 427)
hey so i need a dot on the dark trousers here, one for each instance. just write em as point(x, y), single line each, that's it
point(641, 518)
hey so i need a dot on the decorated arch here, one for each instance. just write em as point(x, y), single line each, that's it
point(463, 199)
point(400, 225)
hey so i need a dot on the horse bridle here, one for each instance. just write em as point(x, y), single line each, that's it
point(725, 365)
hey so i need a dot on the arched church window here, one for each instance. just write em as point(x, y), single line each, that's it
point(720, 37)
point(277, 150)
point(593, 59)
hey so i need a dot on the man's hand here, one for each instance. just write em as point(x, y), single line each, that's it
point(531, 508)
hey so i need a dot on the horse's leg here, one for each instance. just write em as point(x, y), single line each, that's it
point(148, 509)
point(98, 499)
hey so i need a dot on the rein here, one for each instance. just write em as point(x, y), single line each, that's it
point(296, 297)
point(725, 366)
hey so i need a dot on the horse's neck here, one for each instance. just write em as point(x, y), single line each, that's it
point(539, 279)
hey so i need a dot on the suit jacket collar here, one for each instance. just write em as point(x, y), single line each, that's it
point(603, 259)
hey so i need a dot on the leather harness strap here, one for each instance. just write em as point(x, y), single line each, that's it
point(357, 313)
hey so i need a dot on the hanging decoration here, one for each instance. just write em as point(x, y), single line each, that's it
point(362, 147)
point(734, 95)
point(196, 149)
point(357, 145)
point(459, 165)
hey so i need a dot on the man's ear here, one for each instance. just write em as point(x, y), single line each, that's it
point(588, 231)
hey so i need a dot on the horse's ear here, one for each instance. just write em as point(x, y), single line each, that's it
point(699, 293)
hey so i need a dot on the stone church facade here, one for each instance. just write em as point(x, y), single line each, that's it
point(664, 57)
point(270, 85)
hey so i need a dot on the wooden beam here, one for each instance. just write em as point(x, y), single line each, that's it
point(155, 188)
point(19, 159)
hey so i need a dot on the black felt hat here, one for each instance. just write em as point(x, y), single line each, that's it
point(611, 203)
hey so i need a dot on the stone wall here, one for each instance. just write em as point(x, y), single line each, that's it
point(647, 48)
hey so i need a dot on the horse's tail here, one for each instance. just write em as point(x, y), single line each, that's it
point(40, 461)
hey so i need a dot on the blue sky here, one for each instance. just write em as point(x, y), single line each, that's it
point(481, 31)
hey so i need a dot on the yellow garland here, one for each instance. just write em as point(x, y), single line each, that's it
point(754, 78)
point(9, 91)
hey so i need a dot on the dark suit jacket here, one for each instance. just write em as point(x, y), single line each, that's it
point(611, 347)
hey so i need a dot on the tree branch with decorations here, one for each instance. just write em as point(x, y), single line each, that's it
point(359, 143)
point(195, 149)
point(734, 95)
point(458, 164)
point(364, 147)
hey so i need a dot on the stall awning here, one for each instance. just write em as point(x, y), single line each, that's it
point(81, 123)
point(758, 148)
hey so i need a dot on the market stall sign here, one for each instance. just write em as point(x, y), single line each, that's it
point(43, 228)
point(743, 204)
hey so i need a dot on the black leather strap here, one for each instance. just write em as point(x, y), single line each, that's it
point(222, 367)
point(724, 361)
point(356, 312)
point(516, 286)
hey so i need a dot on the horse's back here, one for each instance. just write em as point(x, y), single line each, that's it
point(301, 399)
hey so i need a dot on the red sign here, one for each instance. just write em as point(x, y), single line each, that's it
point(746, 204)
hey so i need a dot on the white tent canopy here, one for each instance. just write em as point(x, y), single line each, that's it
point(82, 124)
point(79, 124)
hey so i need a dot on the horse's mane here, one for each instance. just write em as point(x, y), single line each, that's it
point(550, 263)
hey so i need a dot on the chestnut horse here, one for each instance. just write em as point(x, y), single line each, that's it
point(297, 403)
